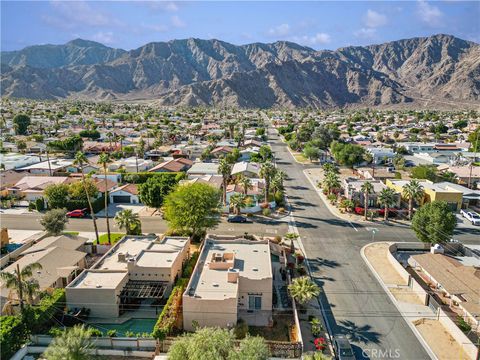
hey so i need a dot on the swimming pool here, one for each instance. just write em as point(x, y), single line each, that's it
point(133, 325)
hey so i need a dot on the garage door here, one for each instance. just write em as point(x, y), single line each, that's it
point(121, 199)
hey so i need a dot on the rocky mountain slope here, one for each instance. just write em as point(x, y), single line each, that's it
point(441, 68)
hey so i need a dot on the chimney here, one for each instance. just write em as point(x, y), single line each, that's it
point(232, 275)
point(121, 257)
point(131, 264)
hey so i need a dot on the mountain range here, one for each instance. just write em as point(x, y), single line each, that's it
point(438, 71)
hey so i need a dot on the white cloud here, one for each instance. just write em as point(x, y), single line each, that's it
point(366, 33)
point(317, 39)
point(104, 37)
point(374, 19)
point(177, 22)
point(280, 30)
point(429, 14)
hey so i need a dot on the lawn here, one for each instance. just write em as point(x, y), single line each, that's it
point(73, 233)
point(103, 239)
point(300, 158)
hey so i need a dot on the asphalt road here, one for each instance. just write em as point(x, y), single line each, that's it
point(260, 226)
point(355, 303)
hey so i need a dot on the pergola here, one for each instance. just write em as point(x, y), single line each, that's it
point(139, 289)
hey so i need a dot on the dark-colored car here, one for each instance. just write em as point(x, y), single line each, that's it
point(343, 348)
point(237, 219)
point(78, 213)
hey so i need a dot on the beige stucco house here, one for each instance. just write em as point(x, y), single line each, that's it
point(232, 280)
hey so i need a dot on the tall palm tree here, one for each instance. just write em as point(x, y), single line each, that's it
point(331, 181)
point(225, 169)
point(278, 180)
point(73, 344)
point(245, 183)
point(387, 198)
point(303, 289)
point(238, 202)
point(367, 189)
point(128, 220)
point(412, 191)
point(17, 280)
point(267, 172)
point(31, 289)
point(104, 160)
point(81, 161)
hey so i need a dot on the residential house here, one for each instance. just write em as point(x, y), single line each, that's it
point(381, 155)
point(221, 151)
point(131, 164)
point(32, 187)
point(200, 169)
point(174, 165)
point(255, 196)
point(11, 161)
point(135, 269)
point(248, 169)
point(232, 280)
point(353, 191)
point(125, 194)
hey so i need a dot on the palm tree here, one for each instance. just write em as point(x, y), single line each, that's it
point(267, 171)
point(331, 181)
point(329, 167)
point(303, 289)
point(245, 183)
point(17, 280)
point(73, 344)
point(128, 220)
point(238, 202)
point(104, 160)
point(387, 198)
point(278, 180)
point(412, 191)
point(81, 160)
point(225, 169)
point(31, 289)
point(367, 189)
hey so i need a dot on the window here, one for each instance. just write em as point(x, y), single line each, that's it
point(254, 302)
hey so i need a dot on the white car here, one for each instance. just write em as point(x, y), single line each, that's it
point(471, 216)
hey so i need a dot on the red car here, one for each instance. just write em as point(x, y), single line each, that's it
point(77, 213)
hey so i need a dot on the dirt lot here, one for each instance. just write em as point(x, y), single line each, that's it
point(377, 256)
point(440, 341)
point(406, 295)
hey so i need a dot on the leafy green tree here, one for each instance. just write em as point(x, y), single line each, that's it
point(265, 153)
point(251, 348)
point(19, 280)
point(367, 189)
point(21, 122)
point(128, 220)
point(303, 289)
point(54, 221)
point(311, 152)
point(104, 160)
point(347, 154)
point(434, 222)
point(412, 191)
point(193, 207)
point(428, 172)
point(387, 198)
point(71, 144)
point(73, 344)
point(56, 195)
point(153, 192)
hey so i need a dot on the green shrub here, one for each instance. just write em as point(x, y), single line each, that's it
point(94, 332)
point(40, 204)
point(41, 317)
point(241, 329)
point(55, 331)
point(463, 325)
point(141, 177)
point(190, 265)
point(130, 334)
point(112, 333)
point(13, 334)
point(266, 212)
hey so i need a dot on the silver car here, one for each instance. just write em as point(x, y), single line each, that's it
point(343, 348)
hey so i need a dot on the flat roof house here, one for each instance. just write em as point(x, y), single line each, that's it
point(136, 268)
point(232, 280)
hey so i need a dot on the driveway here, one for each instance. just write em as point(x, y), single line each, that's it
point(114, 208)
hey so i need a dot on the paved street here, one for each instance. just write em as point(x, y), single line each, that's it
point(149, 225)
point(356, 304)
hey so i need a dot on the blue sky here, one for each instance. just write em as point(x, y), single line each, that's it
point(320, 25)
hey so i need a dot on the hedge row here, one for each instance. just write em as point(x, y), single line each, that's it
point(13, 334)
point(190, 265)
point(97, 204)
point(169, 316)
point(141, 177)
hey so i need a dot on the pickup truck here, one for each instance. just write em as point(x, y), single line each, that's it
point(471, 216)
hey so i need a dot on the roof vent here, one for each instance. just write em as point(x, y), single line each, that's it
point(215, 285)
point(98, 286)
point(255, 269)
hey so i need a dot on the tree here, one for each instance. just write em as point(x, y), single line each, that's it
point(193, 207)
point(238, 202)
point(303, 289)
point(21, 122)
point(128, 220)
point(267, 171)
point(155, 189)
point(428, 172)
point(387, 198)
point(398, 161)
point(71, 144)
point(224, 169)
point(434, 222)
point(104, 160)
point(412, 191)
point(19, 281)
point(347, 154)
point(54, 221)
point(218, 344)
point(331, 181)
point(73, 344)
point(367, 189)
point(245, 183)
point(81, 161)
point(265, 153)
point(329, 167)
point(311, 152)
point(56, 195)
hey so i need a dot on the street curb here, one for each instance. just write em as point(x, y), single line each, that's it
point(394, 301)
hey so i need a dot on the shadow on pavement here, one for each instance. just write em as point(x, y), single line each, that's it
point(360, 334)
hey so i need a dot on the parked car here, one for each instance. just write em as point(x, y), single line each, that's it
point(471, 216)
point(237, 219)
point(78, 213)
point(343, 348)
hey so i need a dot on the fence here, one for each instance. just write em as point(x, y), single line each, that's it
point(117, 343)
